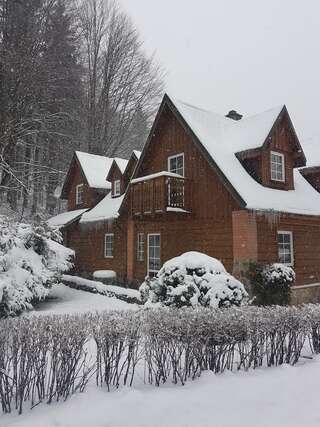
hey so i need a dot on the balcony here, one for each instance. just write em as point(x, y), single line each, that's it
point(159, 193)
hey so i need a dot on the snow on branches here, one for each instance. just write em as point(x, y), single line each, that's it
point(48, 358)
point(31, 261)
point(271, 283)
point(193, 279)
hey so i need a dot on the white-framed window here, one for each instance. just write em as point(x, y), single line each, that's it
point(108, 245)
point(154, 258)
point(277, 166)
point(176, 164)
point(140, 247)
point(285, 247)
point(79, 194)
point(116, 187)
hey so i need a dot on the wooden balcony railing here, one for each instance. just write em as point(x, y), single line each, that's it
point(159, 193)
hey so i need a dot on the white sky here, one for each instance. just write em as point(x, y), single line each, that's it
point(249, 55)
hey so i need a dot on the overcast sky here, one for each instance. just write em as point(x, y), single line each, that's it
point(249, 55)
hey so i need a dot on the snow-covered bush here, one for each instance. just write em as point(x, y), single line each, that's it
point(31, 261)
point(271, 284)
point(193, 279)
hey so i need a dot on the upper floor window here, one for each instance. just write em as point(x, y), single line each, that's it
point(277, 166)
point(108, 245)
point(116, 187)
point(176, 164)
point(79, 194)
point(285, 247)
point(140, 247)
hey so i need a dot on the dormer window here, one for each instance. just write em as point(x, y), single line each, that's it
point(116, 188)
point(277, 166)
point(79, 194)
point(176, 164)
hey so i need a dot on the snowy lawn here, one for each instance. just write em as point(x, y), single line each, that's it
point(64, 300)
point(271, 397)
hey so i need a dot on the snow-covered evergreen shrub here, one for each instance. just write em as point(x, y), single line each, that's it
point(193, 279)
point(271, 284)
point(31, 261)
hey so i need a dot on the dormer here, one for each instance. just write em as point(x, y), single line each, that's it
point(85, 183)
point(116, 176)
point(272, 163)
point(132, 163)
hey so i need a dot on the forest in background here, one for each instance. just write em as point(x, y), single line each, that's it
point(73, 76)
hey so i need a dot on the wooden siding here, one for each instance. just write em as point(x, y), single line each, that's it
point(90, 196)
point(114, 175)
point(179, 236)
point(88, 244)
point(306, 244)
point(281, 141)
point(211, 199)
point(208, 228)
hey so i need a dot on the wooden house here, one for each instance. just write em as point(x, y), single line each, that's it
point(235, 188)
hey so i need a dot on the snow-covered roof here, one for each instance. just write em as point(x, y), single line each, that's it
point(95, 168)
point(65, 218)
point(311, 147)
point(137, 154)
point(223, 137)
point(106, 209)
point(122, 163)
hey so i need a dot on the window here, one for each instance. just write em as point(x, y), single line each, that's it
point(176, 164)
point(277, 166)
point(285, 247)
point(108, 245)
point(140, 247)
point(154, 263)
point(116, 187)
point(79, 194)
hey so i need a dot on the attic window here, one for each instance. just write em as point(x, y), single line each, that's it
point(277, 166)
point(79, 194)
point(176, 164)
point(116, 187)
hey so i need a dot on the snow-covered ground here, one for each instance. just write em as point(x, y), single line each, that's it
point(270, 397)
point(64, 300)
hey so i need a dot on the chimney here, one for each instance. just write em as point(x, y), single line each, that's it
point(234, 115)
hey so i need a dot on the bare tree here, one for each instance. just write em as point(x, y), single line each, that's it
point(123, 84)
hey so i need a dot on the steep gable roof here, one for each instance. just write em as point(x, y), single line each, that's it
point(95, 169)
point(117, 162)
point(220, 139)
point(223, 138)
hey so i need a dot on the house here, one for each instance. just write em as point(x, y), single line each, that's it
point(235, 188)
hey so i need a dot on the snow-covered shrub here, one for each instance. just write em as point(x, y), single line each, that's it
point(271, 284)
point(193, 279)
point(31, 261)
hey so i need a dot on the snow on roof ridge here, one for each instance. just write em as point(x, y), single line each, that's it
point(137, 153)
point(122, 163)
point(95, 169)
point(224, 118)
point(222, 142)
point(91, 154)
